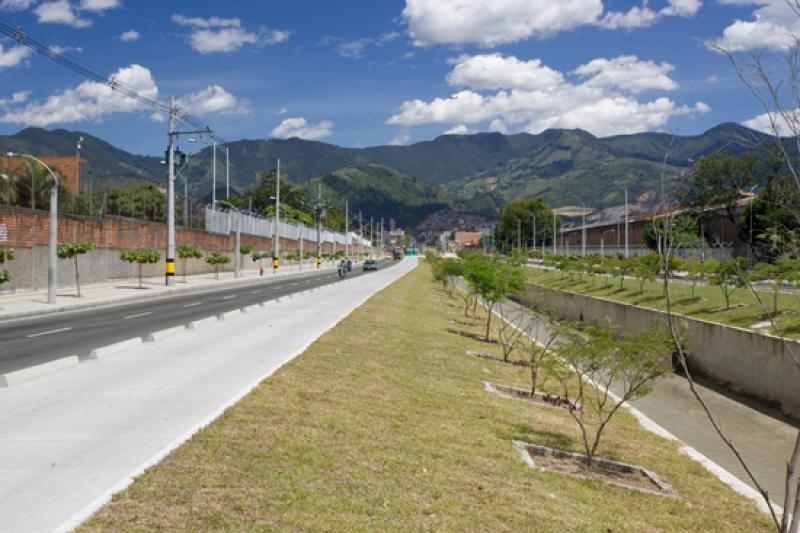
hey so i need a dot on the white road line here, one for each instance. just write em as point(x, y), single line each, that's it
point(139, 315)
point(255, 292)
point(47, 332)
point(294, 284)
point(193, 304)
point(279, 287)
point(229, 297)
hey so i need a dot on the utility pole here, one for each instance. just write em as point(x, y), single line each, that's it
point(276, 238)
point(170, 259)
point(534, 234)
point(227, 173)
point(380, 246)
point(346, 229)
point(626, 223)
point(371, 239)
point(583, 230)
point(360, 235)
point(214, 175)
point(555, 244)
point(319, 209)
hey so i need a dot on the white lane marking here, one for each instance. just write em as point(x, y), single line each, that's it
point(229, 297)
point(294, 284)
point(47, 332)
point(139, 315)
point(279, 287)
point(255, 292)
point(193, 304)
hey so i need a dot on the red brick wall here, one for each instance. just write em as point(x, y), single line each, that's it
point(26, 227)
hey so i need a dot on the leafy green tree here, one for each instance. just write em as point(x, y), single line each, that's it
point(217, 259)
point(6, 254)
point(493, 280)
point(673, 232)
point(524, 211)
point(729, 276)
point(719, 178)
point(622, 267)
point(646, 268)
point(188, 252)
point(784, 270)
point(245, 249)
point(140, 257)
point(595, 360)
point(697, 271)
point(72, 251)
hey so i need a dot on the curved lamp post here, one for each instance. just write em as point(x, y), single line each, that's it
point(52, 264)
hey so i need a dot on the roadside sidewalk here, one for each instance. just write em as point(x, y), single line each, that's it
point(34, 303)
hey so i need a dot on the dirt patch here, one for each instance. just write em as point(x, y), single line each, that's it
point(516, 393)
point(611, 472)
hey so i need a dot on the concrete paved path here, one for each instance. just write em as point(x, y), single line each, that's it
point(70, 439)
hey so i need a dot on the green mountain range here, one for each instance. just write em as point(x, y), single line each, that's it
point(471, 174)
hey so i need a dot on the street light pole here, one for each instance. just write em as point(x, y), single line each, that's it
point(533, 236)
point(583, 231)
point(227, 173)
point(52, 263)
point(626, 223)
point(214, 175)
point(555, 244)
point(170, 259)
point(276, 234)
point(346, 230)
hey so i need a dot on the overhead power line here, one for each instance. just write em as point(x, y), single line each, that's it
point(83, 69)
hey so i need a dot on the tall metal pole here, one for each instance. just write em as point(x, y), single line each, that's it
point(626, 223)
point(170, 263)
point(555, 244)
point(276, 239)
point(360, 235)
point(227, 173)
point(185, 202)
point(534, 234)
point(346, 229)
point(301, 249)
point(52, 265)
point(238, 251)
point(583, 231)
point(519, 233)
point(214, 176)
point(380, 246)
point(371, 239)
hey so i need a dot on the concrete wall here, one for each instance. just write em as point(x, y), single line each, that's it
point(753, 364)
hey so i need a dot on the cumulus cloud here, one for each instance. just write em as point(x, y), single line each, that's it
point(357, 48)
point(494, 71)
point(401, 139)
point(221, 35)
point(786, 125)
point(16, 5)
point(298, 127)
point(627, 73)
point(773, 27)
point(496, 22)
point(461, 129)
point(16, 98)
point(99, 5)
point(130, 35)
point(92, 101)
point(603, 102)
point(213, 99)
point(60, 12)
point(14, 56)
point(645, 16)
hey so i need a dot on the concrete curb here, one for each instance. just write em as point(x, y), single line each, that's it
point(165, 333)
point(229, 315)
point(251, 308)
point(27, 374)
point(197, 324)
point(114, 349)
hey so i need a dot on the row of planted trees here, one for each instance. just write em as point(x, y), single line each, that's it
point(727, 275)
point(584, 360)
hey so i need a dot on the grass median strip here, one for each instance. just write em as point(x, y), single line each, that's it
point(383, 424)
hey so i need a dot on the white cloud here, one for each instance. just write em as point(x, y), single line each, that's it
point(490, 23)
point(627, 73)
point(283, 111)
point(88, 101)
point(493, 71)
point(16, 98)
point(130, 35)
point(461, 129)
point(357, 48)
point(764, 122)
point(60, 12)
point(16, 5)
point(635, 17)
point(774, 27)
point(213, 99)
point(92, 101)
point(401, 139)
point(12, 57)
point(298, 127)
point(604, 104)
point(99, 5)
point(682, 8)
point(220, 35)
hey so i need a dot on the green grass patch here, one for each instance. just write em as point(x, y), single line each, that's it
point(707, 303)
point(383, 425)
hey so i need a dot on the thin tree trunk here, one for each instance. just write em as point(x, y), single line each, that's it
point(77, 277)
point(489, 320)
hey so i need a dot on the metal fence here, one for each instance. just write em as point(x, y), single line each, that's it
point(224, 222)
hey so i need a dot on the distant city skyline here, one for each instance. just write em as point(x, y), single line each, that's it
point(362, 73)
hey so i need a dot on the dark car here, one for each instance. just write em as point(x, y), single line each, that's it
point(370, 264)
point(349, 265)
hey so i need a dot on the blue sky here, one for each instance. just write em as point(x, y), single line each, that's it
point(362, 73)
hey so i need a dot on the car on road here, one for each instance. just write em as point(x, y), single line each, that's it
point(370, 264)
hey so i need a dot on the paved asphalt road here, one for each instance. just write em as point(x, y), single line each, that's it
point(35, 340)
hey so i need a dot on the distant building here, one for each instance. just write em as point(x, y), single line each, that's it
point(68, 168)
point(467, 239)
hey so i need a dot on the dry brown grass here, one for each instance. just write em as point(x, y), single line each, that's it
point(382, 424)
